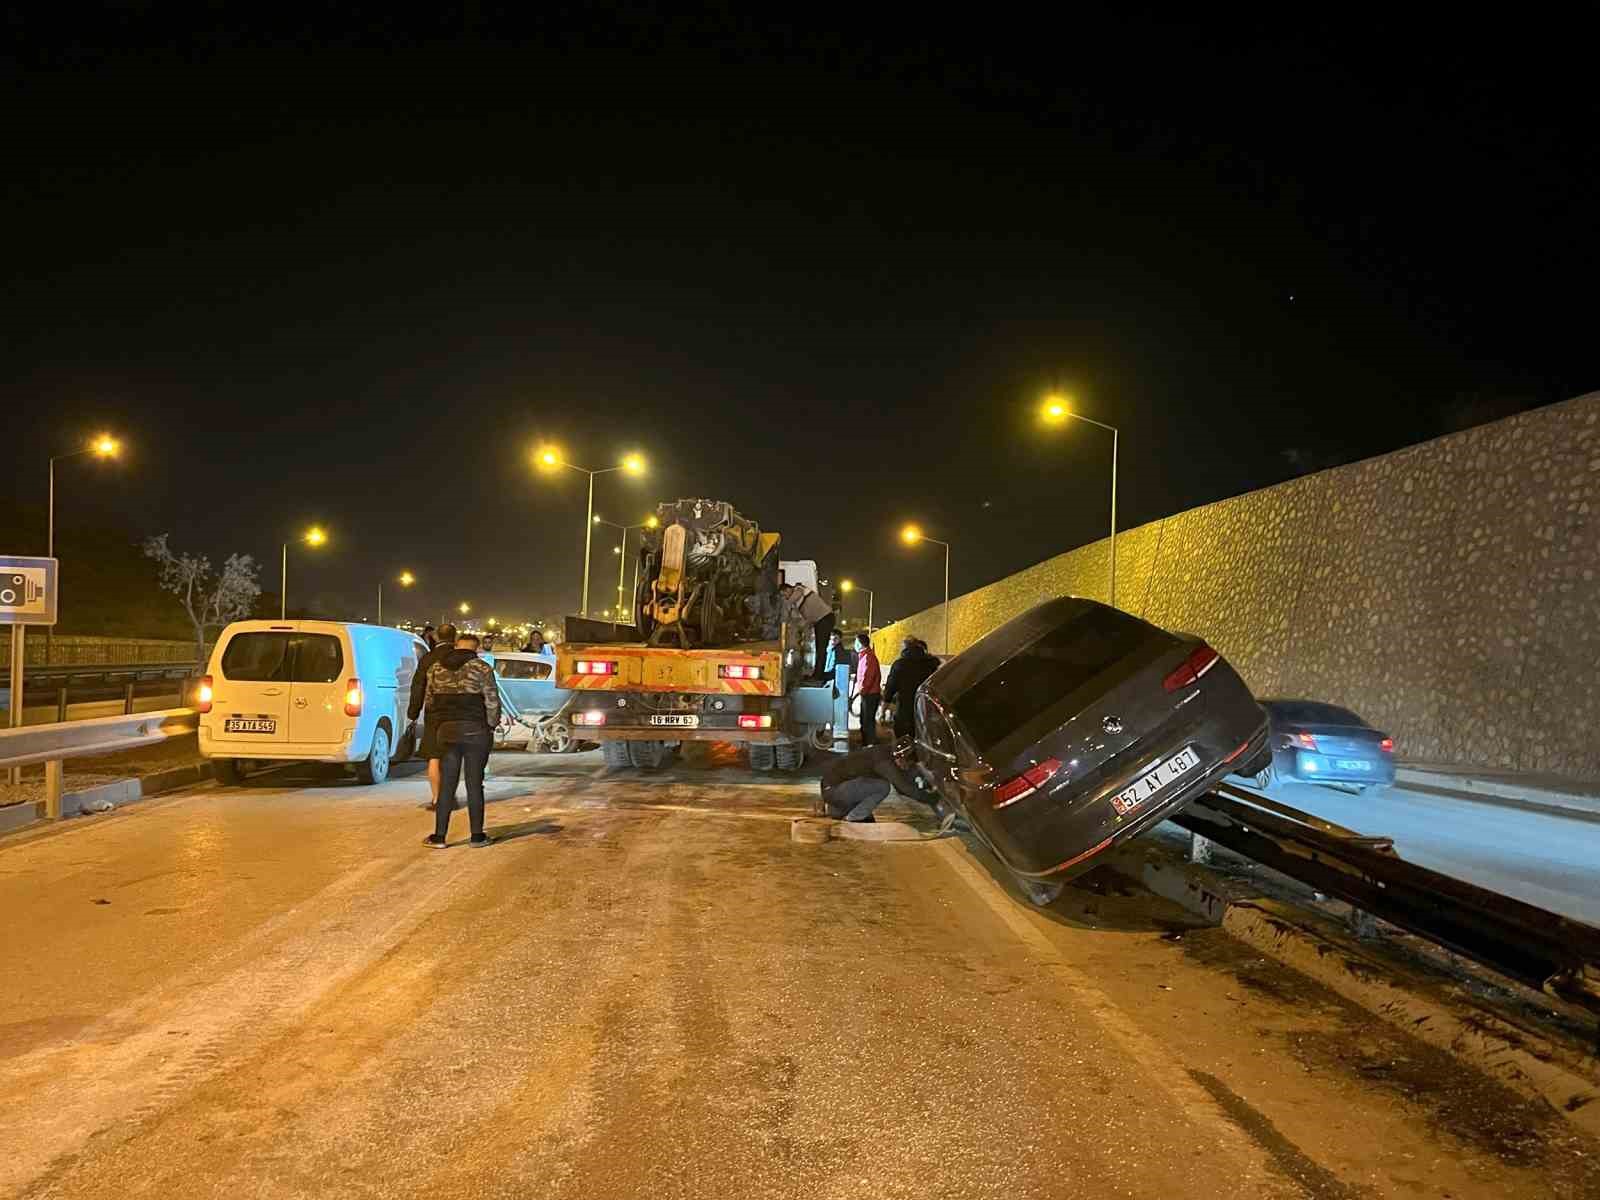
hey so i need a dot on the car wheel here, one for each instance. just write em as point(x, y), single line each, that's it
point(1266, 778)
point(227, 771)
point(763, 756)
point(1039, 893)
point(647, 756)
point(616, 754)
point(558, 737)
point(375, 768)
point(789, 755)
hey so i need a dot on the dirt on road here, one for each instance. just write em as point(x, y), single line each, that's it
point(646, 989)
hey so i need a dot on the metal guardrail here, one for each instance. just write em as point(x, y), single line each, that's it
point(54, 744)
point(65, 678)
point(1541, 949)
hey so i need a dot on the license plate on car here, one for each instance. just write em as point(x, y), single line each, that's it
point(677, 720)
point(1352, 764)
point(250, 725)
point(1163, 773)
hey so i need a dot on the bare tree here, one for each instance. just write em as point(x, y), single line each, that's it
point(210, 598)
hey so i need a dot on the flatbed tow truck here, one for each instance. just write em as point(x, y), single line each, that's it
point(697, 664)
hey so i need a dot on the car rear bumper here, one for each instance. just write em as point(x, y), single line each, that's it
point(1309, 767)
point(297, 751)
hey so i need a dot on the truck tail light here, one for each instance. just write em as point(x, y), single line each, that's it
point(352, 698)
point(593, 717)
point(1025, 784)
point(203, 694)
point(596, 667)
point(738, 671)
point(1305, 741)
point(755, 720)
point(1196, 665)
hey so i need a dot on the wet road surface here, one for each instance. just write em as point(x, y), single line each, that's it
point(647, 989)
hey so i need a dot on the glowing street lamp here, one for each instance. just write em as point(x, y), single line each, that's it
point(464, 608)
point(103, 446)
point(314, 537)
point(846, 586)
point(551, 458)
point(1056, 410)
point(913, 534)
point(405, 580)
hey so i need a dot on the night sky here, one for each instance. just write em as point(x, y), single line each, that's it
point(352, 273)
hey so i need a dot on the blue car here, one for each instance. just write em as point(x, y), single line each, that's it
point(533, 710)
point(1313, 742)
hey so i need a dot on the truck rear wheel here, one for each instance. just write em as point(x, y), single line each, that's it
point(790, 755)
point(647, 756)
point(763, 756)
point(616, 754)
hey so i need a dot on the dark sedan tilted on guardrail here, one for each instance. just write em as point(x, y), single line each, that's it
point(1076, 726)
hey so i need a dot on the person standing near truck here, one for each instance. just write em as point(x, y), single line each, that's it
point(463, 709)
point(811, 609)
point(906, 674)
point(428, 747)
point(869, 686)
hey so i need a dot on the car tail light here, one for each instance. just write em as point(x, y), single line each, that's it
point(1025, 784)
point(596, 667)
point(755, 720)
point(738, 671)
point(1196, 665)
point(1387, 745)
point(593, 717)
point(1243, 746)
point(203, 694)
point(352, 698)
point(1305, 741)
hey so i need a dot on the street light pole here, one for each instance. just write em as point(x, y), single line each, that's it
point(911, 535)
point(633, 464)
point(283, 585)
point(588, 535)
point(1055, 411)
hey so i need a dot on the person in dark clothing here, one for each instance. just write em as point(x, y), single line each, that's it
point(463, 709)
point(429, 636)
point(906, 674)
point(869, 686)
point(535, 643)
point(853, 786)
point(428, 747)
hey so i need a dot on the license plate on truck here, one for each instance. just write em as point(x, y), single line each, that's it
point(250, 725)
point(1158, 777)
point(676, 720)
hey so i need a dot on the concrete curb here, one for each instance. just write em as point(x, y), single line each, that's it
point(1496, 790)
point(118, 793)
point(1428, 1006)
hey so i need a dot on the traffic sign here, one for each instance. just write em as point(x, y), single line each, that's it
point(28, 591)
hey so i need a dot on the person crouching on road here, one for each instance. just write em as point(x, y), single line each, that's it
point(429, 748)
point(464, 705)
point(869, 686)
point(853, 786)
point(906, 674)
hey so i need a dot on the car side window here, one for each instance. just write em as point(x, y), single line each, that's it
point(934, 729)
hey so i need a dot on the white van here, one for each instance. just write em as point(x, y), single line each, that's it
point(313, 691)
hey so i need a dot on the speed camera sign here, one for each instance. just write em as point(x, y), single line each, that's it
point(27, 591)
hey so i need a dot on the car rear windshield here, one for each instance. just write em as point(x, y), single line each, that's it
point(1311, 712)
point(1042, 674)
point(521, 668)
point(283, 658)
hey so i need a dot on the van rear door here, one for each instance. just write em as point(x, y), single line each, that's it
point(251, 691)
point(317, 697)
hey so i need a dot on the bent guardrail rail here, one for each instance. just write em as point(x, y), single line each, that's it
point(55, 743)
point(1541, 949)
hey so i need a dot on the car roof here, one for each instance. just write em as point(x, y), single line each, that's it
point(1312, 712)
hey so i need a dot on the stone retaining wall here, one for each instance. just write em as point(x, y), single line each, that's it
point(1447, 592)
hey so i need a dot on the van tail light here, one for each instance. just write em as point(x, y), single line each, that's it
point(1196, 665)
point(596, 667)
point(204, 694)
point(1387, 745)
point(352, 698)
point(738, 671)
point(1025, 784)
point(755, 720)
point(1305, 741)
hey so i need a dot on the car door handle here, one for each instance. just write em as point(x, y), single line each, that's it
point(301, 702)
point(272, 691)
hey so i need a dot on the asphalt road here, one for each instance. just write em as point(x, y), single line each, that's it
point(647, 989)
point(1546, 859)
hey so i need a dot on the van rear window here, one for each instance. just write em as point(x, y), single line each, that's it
point(1046, 672)
point(283, 658)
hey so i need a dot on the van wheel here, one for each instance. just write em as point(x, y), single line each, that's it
point(376, 767)
point(616, 754)
point(227, 771)
point(789, 755)
point(763, 756)
point(647, 756)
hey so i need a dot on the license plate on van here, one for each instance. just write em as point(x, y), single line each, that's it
point(1125, 801)
point(678, 720)
point(250, 725)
